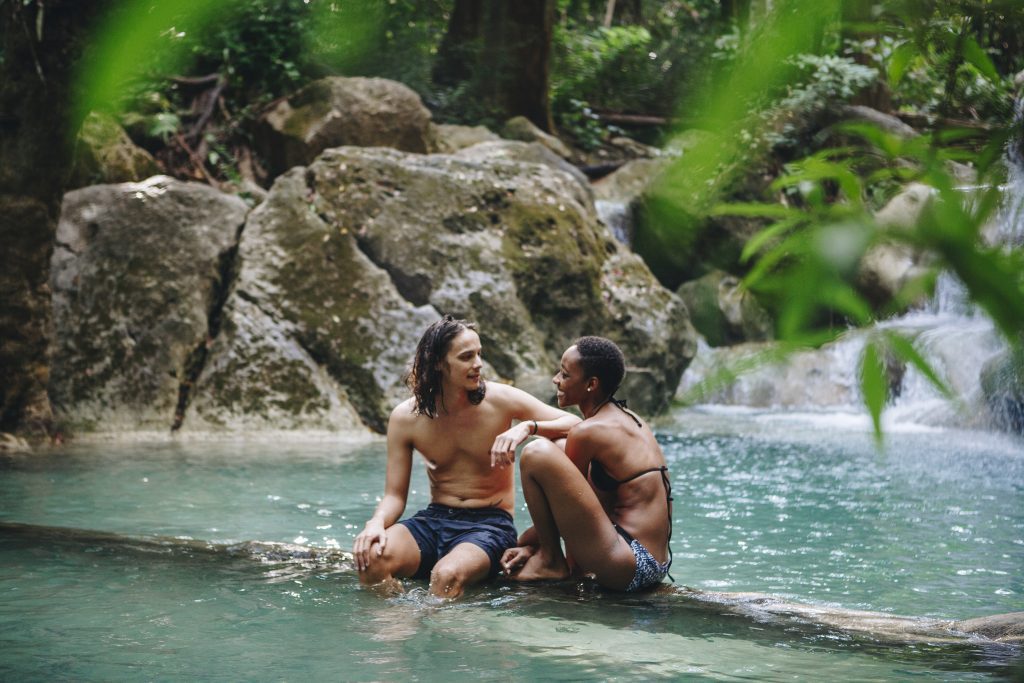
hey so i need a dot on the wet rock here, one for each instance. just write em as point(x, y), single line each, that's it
point(521, 128)
point(1002, 383)
point(516, 247)
point(449, 138)
point(724, 311)
point(9, 443)
point(1002, 628)
point(135, 274)
point(105, 154)
point(531, 153)
point(340, 111)
point(888, 267)
point(315, 336)
point(630, 180)
point(886, 122)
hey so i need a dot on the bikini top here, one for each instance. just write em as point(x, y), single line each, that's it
point(606, 482)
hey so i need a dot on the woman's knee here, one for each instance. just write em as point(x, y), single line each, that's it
point(537, 453)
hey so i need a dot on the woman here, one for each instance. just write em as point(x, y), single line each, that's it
point(610, 499)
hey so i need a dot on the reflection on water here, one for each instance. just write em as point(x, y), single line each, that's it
point(796, 506)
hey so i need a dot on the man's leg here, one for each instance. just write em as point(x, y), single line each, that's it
point(465, 565)
point(562, 505)
point(401, 557)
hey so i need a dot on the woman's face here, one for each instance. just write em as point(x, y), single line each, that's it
point(569, 381)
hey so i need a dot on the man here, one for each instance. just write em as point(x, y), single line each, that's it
point(463, 428)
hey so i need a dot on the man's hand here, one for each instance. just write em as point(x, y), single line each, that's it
point(503, 451)
point(363, 549)
point(514, 558)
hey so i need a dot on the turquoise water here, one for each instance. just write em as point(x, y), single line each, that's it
point(802, 507)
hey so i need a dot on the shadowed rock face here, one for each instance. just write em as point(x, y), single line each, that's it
point(134, 276)
point(315, 336)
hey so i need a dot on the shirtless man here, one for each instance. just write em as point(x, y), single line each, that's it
point(463, 428)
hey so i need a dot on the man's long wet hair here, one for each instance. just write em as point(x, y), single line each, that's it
point(601, 358)
point(425, 379)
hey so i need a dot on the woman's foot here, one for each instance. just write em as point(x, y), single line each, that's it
point(540, 567)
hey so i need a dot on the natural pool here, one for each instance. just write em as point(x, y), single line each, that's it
point(799, 506)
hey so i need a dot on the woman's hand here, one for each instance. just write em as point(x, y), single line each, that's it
point(372, 533)
point(513, 559)
point(503, 451)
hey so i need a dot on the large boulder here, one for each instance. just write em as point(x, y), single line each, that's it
point(724, 311)
point(338, 111)
point(315, 336)
point(887, 267)
point(513, 245)
point(136, 274)
point(446, 138)
point(630, 180)
point(1002, 384)
point(522, 129)
point(105, 154)
point(531, 153)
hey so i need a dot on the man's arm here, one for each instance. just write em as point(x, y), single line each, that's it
point(536, 419)
point(396, 487)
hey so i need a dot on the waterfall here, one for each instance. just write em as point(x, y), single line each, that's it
point(949, 330)
point(616, 215)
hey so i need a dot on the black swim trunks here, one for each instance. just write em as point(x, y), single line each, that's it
point(439, 528)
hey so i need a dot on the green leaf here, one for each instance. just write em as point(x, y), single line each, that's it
point(904, 349)
point(773, 231)
point(899, 61)
point(975, 55)
point(753, 210)
point(873, 385)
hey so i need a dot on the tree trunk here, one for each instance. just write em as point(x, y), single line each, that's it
point(501, 51)
point(37, 128)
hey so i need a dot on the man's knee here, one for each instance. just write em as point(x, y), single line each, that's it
point(380, 569)
point(447, 577)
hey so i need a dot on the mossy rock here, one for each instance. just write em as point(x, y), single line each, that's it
point(135, 275)
point(513, 245)
point(724, 311)
point(336, 111)
point(1002, 383)
point(315, 335)
point(105, 154)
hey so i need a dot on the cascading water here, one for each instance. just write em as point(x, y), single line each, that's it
point(951, 332)
point(615, 214)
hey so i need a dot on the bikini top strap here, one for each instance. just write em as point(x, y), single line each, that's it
point(621, 404)
point(668, 496)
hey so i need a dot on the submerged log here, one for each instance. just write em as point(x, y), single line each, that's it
point(879, 626)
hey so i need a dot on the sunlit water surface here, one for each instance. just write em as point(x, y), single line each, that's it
point(799, 506)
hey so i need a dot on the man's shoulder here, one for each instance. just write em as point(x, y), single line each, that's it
point(404, 414)
point(506, 393)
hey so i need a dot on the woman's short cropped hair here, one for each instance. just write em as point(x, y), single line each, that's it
point(603, 359)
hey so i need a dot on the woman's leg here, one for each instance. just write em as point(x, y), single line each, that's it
point(563, 506)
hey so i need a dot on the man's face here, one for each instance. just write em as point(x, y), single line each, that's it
point(463, 362)
point(569, 381)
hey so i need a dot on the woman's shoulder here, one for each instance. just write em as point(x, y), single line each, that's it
point(595, 429)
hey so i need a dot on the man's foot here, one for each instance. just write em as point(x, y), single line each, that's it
point(542, 568)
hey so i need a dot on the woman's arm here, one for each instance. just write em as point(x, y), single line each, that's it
point(536, 419)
